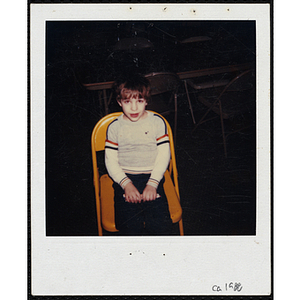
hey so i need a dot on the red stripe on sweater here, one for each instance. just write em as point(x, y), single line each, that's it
point(111, 142)
point(162, 137)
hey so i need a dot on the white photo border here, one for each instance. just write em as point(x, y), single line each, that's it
point(192, 265)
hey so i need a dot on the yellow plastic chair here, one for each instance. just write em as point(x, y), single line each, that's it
point(104, 192)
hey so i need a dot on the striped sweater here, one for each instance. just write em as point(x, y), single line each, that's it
point(140, 147)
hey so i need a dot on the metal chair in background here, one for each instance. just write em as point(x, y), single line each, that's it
point(227, 99)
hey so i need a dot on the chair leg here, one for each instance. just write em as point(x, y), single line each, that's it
point(100, 232)
point(105, 102)
point(175, 117)
point(222, 126)
point(100, 103)
point(181, 227)
point(189, 100)
point(203, 117)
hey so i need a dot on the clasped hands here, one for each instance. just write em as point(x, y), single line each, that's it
point(132, 195)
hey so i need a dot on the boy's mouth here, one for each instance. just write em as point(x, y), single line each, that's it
point(134, 115)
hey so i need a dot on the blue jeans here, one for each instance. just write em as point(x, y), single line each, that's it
point(145, 218)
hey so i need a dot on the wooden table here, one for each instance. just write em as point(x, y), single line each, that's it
point(103, 87)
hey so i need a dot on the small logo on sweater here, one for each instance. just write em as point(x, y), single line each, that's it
point(146, 132)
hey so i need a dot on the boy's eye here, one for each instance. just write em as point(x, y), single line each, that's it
point(141, 100)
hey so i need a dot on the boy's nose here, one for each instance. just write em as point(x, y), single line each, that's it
point(134, 105)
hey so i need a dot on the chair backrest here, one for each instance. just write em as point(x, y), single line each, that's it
point(242, 82)
point(162, 82)
point(98, 144)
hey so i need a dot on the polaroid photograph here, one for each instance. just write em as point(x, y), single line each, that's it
point(150, 149)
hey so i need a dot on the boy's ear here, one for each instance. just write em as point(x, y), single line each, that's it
point(119, 102)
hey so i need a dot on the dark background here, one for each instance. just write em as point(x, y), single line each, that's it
point(218, 194)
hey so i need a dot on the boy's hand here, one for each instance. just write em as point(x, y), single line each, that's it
point(149, 193)
point(132, 195)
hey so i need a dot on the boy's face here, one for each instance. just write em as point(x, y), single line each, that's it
point(133, 107)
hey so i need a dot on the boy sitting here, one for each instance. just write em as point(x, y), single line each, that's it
point(137, 154)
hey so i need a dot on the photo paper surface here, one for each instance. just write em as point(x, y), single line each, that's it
point(225, 186)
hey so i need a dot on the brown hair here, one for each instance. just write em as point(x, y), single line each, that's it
point(135, 84)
